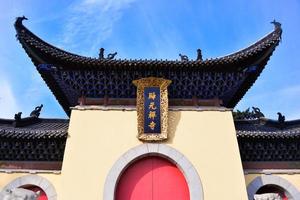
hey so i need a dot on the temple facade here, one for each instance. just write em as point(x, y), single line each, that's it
point(149, 129)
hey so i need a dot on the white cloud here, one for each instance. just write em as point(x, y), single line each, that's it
point(90, 22)
point(8, 102)
point(292, 91)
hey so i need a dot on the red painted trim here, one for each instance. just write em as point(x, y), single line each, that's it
point(271, 165)
point(31, 165)
point(126, 101)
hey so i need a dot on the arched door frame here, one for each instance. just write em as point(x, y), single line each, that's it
point(258, 182)
point(35, 180)
point(186, 167)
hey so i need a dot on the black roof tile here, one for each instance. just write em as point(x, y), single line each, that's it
point(42, 128)
point(41, 52)
point(266, 128)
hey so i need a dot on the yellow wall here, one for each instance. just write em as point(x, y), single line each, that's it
point(97, 138)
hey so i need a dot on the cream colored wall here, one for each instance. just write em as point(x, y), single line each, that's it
point(98, 138)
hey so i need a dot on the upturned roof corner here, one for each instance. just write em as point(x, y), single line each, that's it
point(226, 78)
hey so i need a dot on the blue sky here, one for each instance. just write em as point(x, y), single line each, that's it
point(151, 29)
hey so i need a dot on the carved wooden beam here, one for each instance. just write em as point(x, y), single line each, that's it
point(132, 102)
point(31, 165)
point(271, 165)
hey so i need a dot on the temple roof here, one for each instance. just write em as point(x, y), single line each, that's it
point(42, 52)
point(32, 139)
point(35, 128)
point(39, 139)
point(70, 76)
point(267, 128)
point(268, 144)
point(57, 128)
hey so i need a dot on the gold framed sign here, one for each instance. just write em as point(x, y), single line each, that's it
point(152, 108)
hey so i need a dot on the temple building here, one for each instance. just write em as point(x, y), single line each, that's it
point(150, 129)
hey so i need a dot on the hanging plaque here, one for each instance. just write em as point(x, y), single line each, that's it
point(152, 108)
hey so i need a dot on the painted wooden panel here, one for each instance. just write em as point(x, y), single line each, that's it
point(152, 178)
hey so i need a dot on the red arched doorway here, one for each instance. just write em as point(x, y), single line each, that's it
point(152, 178)
point(273, 189)
point(35, 188)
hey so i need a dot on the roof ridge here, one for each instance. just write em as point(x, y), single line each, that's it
point(240, 70)
point(21, 29)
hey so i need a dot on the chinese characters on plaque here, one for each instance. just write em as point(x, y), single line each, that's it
point(152, 108)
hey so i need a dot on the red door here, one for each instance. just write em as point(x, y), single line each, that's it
point(152, 178)
point(273, 189)
point(34, 188)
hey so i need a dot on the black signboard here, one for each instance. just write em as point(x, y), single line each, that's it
point(152, 116)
